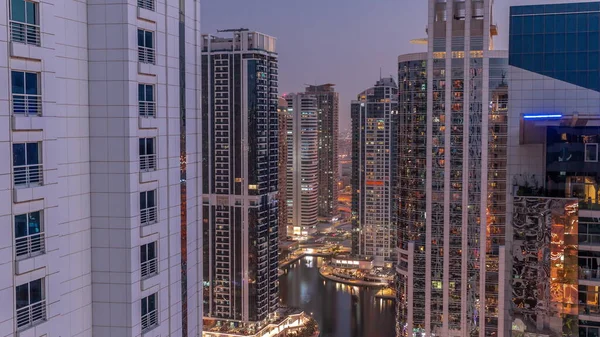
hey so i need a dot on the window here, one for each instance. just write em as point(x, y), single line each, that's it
point(26, 93)
point(29, 234)
point(147, 154)
point(145, 46)
point(24, 22)
point(148, 207)
point(27, 164)
point(149, 312)
point(591, 152)
point(149, 260)
point(31, 303)
point(147, 104)
point(146, 4)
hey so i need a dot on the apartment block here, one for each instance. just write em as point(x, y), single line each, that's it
point(100, 138)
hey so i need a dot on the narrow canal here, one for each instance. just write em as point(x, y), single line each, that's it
point(340, 310)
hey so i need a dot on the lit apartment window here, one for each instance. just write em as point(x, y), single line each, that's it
point(29, 235)
point(149, 260)
point(145, 46)
point(149, 312)
point(27, 164)
point(147, 154)
point(591, 152)
point(31, 303)
point(148, 207)
point(26, 93)
point(146, 4)
point(147, 104)
point(24, 22)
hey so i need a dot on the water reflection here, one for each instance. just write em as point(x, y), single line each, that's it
point(341, 310)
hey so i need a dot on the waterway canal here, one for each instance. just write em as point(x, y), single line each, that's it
point(340, 310)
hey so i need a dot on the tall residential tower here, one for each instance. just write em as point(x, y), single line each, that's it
point(327, 115)
point(452, 159)
point(240, 175)
point(374, 171)
point(302, 164)
point(99, 145)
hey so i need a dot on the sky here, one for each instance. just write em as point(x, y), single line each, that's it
point(345, 42)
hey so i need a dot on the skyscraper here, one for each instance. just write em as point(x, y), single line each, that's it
point(99, 143)
point(452, 159)
point(240, 168)
point(374, 171)
point(302, 164)
point(282, 113)
point(552, 275)
point(327, 115)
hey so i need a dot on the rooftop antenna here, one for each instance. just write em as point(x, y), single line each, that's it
point(380, 77)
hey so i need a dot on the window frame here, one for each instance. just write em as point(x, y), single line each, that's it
point(23, 31)
point(34, 242)
point(149, 213)
point(32, 312)
point(585, 152)
point(28, 169)
point(147, 54)
point(147, 263)
point(146, 108)
point(151, 315)
point(148, 161)
point(24, 103)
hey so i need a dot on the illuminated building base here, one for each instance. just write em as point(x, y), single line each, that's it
point(278, 325)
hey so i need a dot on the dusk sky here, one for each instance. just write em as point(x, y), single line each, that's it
point(344, 42)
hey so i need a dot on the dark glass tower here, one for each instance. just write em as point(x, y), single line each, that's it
point(240, 169)
point(374, 171)
point(327, 115)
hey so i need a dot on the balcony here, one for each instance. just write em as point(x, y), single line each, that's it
point(31, 314)
point(28, 175)
point(146, 55)
point(147, 109)
point(149, 321)
point(148, 162)
point(28, 246)
point(25, 33)
point(149, 268)
point(148, 216)
point(146, 4)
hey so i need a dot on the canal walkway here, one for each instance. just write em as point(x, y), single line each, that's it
point(325, 273)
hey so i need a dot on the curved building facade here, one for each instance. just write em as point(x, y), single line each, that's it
point(302, 164)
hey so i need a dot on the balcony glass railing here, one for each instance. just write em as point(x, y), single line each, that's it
point(28, 105)
point(146, 55)
point(149, 268)
point(148, 162)
point(146, 4)
point(25, 33)
point(28, 175)
point(147, 109)
point(149, 321)
point(27, 246)
point(589, 239)
point(148, 216)
point(31, 314)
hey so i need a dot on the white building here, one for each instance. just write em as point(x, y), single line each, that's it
point(99, 179)
point(302, 164)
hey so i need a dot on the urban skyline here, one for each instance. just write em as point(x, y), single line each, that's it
point(158, 182)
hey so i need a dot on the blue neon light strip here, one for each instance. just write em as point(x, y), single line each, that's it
point(541, 116)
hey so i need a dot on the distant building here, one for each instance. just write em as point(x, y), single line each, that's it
point(302, 164)
point(328, 119)
point(282, 115)
point(240, 176)
point(374, 171)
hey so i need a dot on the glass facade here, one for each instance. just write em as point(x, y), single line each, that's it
point(561, 41)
